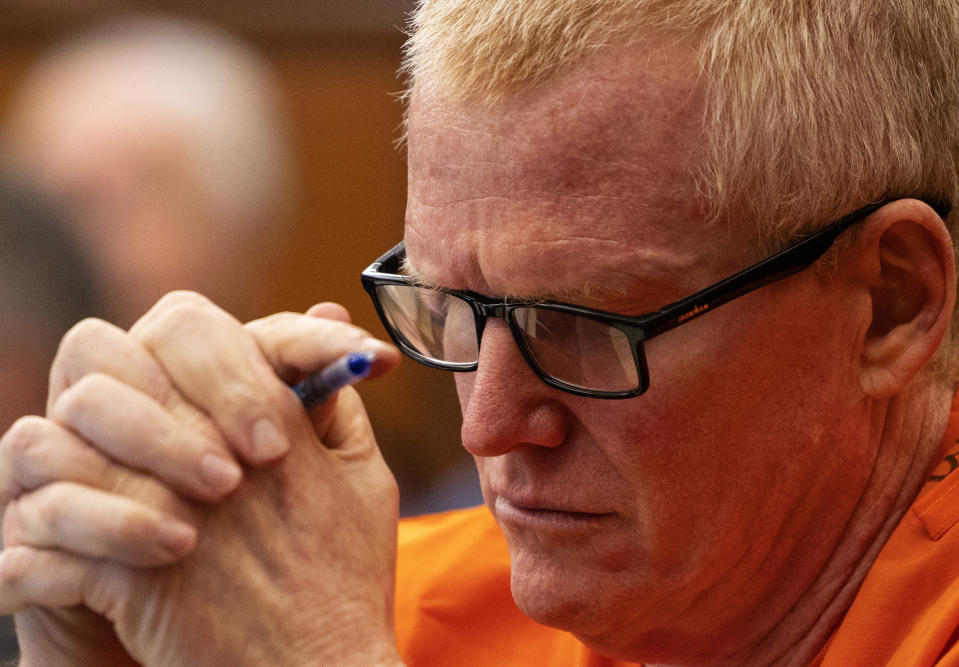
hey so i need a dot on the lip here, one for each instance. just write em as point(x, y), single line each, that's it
point(542, 516)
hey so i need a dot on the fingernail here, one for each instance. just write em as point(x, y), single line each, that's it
point(219, 475)
point(176, 537)
point(268, 442)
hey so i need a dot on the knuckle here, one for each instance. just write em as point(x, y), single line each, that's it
point(45, 506)
point(10, 525)
point(80, 337)
point(20, 448)
point(176, 312)
point(21, 438)
point(14, 564)
point(243, 399)
point(276, 325)
point(273, 320)
point(135, 525)
point(182, 298)
point(87, 330)
point(76, 346)
point(81, 397)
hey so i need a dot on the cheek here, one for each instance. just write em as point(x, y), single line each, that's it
point(741, 424)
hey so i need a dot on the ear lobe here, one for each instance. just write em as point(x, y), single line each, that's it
point(909, 256)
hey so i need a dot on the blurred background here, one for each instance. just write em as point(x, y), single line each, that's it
point(301, 98)
point(243, 149)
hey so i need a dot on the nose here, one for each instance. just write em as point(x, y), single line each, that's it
point(505, 405)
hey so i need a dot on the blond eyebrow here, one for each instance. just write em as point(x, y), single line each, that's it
point(417, 278)
point(590, 290)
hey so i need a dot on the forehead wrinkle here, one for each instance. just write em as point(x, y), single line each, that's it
point(593, 290)
point(572, 142)
point(634, 279)
point(632, 289)
point(603, 160)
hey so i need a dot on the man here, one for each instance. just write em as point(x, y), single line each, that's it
point(754, 473)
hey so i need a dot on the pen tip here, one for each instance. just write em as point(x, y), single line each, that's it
point(360, 363)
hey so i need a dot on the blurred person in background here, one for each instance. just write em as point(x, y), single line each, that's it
point(46, 285)
point(167, 141)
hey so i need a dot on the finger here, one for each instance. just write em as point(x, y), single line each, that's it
point(30, 576)
point(330, 311)
point(89, 522)
point(232, 375)
point(37, 451)
point(135, 430)
point(215, 364)
point(97, 346)
point(296, 345)
point(348, 428)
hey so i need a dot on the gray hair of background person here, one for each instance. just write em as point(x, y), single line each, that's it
point(220, 92)
point(167, 140)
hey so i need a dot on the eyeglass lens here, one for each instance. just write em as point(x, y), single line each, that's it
point(435, 324)
point(575, 350)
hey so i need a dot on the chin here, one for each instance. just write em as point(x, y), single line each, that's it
point(595, 609)
point(584, 617)
point(564, 598)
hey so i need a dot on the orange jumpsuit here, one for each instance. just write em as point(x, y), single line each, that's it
point(453, 603)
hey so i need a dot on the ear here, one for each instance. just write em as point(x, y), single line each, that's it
point(906, 256)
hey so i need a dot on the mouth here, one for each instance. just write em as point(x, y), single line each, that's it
point(542, 516)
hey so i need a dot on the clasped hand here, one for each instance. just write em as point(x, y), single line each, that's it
point(178, 506)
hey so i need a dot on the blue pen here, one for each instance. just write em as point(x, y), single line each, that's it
point(346, 370)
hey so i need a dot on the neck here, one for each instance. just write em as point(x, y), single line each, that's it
point(909, 429)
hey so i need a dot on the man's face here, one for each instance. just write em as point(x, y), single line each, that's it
point(638, 524)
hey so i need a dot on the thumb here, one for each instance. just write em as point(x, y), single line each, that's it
point(345, 426)
point(330, 311)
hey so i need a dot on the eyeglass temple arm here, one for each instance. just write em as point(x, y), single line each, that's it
point(784, 263)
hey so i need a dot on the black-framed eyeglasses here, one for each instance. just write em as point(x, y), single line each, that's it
point(580, 350)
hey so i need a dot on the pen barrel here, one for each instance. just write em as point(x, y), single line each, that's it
point(344, 371)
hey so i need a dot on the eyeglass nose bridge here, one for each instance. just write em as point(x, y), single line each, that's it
point(483, 311)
